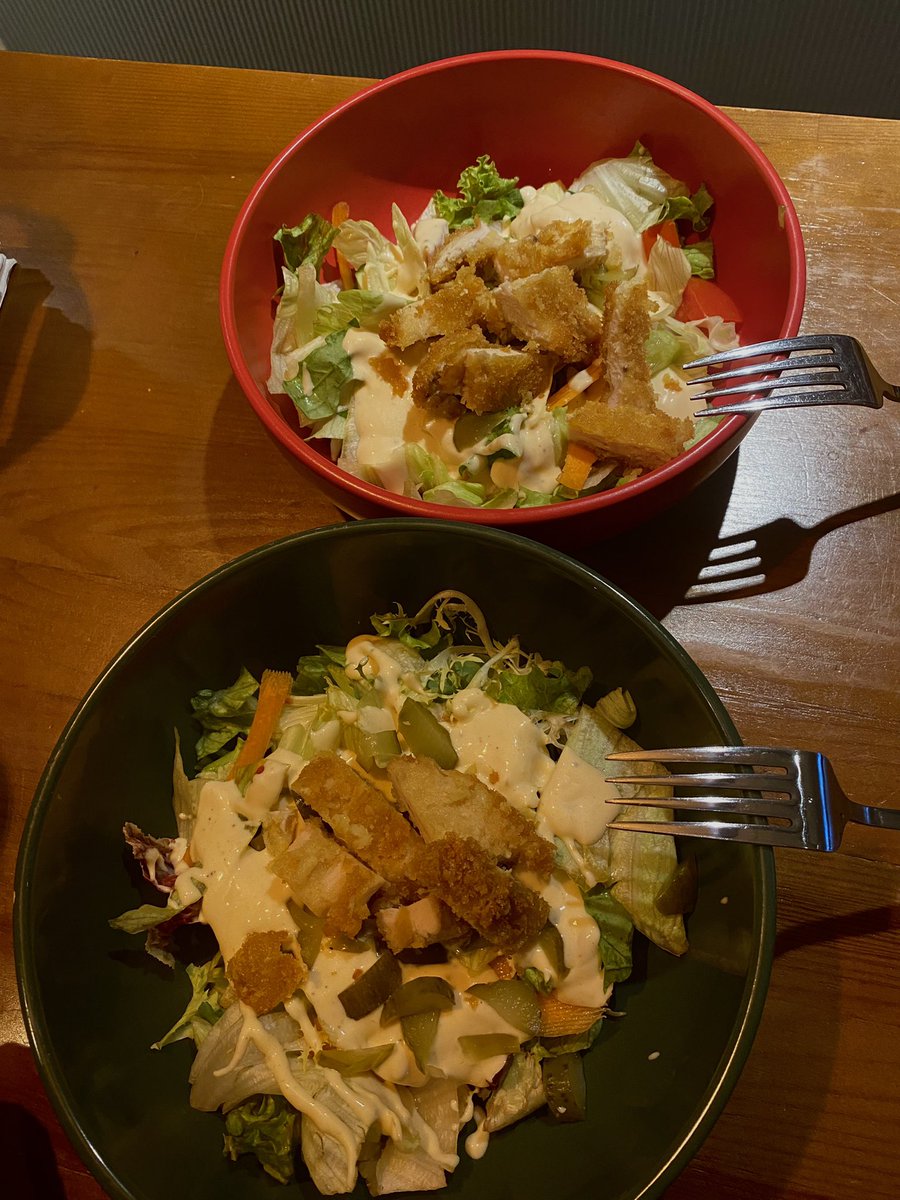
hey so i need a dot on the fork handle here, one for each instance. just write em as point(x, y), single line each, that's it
point(868, 814)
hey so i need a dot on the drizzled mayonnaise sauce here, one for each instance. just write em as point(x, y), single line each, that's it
point(499, 744)
point(240, 894)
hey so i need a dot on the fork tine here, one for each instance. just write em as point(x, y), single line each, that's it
point(756, 835)
point(806, 362)
point(798, 400)
point(813, 341)
point(749, 781)
point(744, 756)
point(814, 379)
point(754, 806)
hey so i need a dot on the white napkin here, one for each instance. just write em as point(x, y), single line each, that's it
point(6, 266)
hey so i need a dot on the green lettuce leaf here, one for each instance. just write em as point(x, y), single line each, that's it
point(456, 491)
point(426, 471)
point(208, 985)
point(330, 372)
point(265, 1126)
point(663, 348)
point(700, 256)
point(225, 713)
point(641, 865)
point(616, 930)
point(484, 196)
point(139, 920)
point(314, 670)
point(307, 242)
point(551, 687)
point(689, 208)
point(351, 305)
point(398, 625)
point(573, 1044)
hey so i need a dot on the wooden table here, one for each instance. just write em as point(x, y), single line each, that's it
point(132, 465)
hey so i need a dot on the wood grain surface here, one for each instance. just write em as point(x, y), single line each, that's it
point(131, 465)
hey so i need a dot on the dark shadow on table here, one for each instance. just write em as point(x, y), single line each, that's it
point(58, 350)
point(773, 556)
point(882, 919)
point(658, 561)
point(29, 1169)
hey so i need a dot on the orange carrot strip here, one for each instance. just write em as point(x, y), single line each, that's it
point(564, 1020)
point(503, 967)
point(274, 689)
point(577, 467)
point(567, 393)
point(339, 214)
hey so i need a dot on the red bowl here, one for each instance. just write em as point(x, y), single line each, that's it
point(541, 115)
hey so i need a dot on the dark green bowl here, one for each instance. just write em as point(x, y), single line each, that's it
point(93, 1002)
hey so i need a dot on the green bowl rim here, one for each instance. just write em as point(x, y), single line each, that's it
point(752, 1001)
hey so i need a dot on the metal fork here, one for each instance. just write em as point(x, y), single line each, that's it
point(837, 372)
point(809, 799)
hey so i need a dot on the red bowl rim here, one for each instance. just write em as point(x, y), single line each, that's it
point(730, 427)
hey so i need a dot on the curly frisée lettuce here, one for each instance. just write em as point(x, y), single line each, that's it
point(402, 849)
point(454, 357)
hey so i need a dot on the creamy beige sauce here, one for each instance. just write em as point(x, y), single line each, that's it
point(240, 894)
point(536, 467)
point(574, 801)
point(498, 744)
point(583, 983)
point(545, 208)
point(367, 658)
point(277, 1061)
point(675, 396)
point(477, 1141)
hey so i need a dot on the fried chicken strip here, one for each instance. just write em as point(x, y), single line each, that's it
point(491, 900)
point(361, 818)
point(444, 802)
point(415, 926)
point(551, 310)
point(617, 416)
point(326, 878)
point(267, 969)
point(456, 307)
point(558, 244)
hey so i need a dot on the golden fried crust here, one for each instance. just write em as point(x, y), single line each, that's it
point(561, 243)
point(439, 377)
point(326, 878)
point(617, 416)
point(266, 970)
point(449, 802)
point(496, 905)
point(630, 435)
point(551, 310)
point(361, 817)
point(474, 247)
point(498, 377)
point(456, 307)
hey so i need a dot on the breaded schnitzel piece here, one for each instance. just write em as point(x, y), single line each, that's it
point(438, 379)
point(559, 244)
point(464, 371)
point(498, 377)
point(456, 307)
point(361, 817)
point(415, 926)
point(551, 310)
point(617, 416)
point(503, 910)
point(443, 802)
point(267, 969)
point(464, 247)
point(326, 878)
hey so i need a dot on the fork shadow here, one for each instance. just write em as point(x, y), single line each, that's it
point(773, 556)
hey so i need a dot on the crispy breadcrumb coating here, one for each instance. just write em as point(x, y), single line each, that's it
point(457, 306)
point(617, 416)
point(326, 878)
point(442, 802)
point(361, 817)
point(474, 247)
point(558, 244)
point(415, 926)
point(551, 310)
point(267, 969)
point(491, 900)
